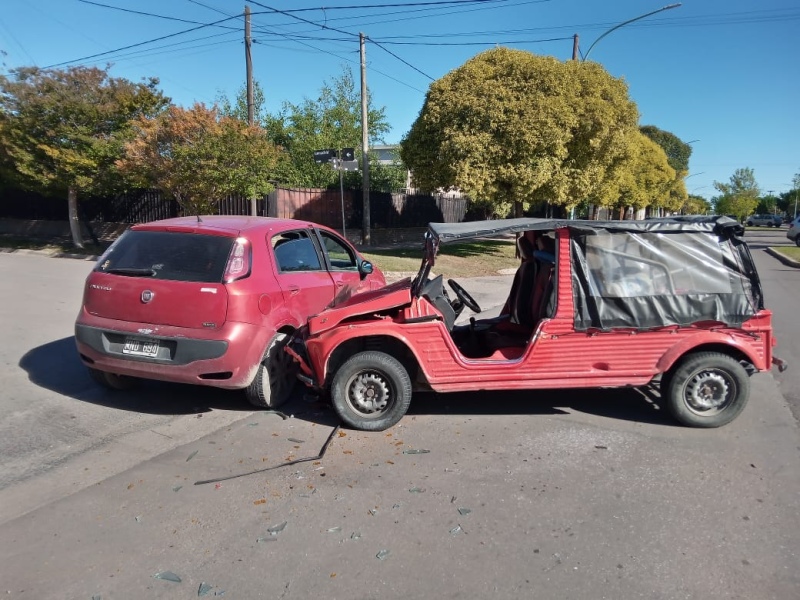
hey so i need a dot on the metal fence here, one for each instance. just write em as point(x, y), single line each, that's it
point(387, 210)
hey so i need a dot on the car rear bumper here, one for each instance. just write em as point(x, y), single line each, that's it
point(225, 357)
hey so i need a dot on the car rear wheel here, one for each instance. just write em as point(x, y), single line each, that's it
point(371, 391)
point(276, 376)
point(797, 241)
point(706, 389)
point(112, 380)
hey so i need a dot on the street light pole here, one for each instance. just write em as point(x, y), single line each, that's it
point(663, 8)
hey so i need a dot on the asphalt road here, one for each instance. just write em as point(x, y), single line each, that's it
point(583, 494)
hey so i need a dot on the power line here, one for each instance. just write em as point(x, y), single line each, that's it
point(400, 59)
point(158, 39)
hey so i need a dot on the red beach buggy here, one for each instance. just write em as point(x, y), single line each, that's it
point(599, 304)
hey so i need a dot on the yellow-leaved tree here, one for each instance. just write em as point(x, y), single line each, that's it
point(512, 128)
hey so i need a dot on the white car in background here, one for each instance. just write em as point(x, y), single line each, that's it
point(764, 221)
point(794, 230)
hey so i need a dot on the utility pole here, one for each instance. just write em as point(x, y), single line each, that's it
point(365, 224)
point(249, 63)
point(575, 47)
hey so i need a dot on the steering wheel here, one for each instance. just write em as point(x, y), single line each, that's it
point(465, 298)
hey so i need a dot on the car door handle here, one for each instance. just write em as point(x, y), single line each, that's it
point(294, 290)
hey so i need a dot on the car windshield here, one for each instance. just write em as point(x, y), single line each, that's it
point(169, 255)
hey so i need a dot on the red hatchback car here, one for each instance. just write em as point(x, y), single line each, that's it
point(211, 300)
point(674, 301)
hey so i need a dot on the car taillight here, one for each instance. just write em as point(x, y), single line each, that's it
point(238, 266)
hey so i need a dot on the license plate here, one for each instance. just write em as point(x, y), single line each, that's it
point(136, 347)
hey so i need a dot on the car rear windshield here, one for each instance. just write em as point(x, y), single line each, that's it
point(168, 255)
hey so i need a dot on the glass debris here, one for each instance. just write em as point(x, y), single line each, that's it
point(261, 540)
point(296, 441)
point(334, 529)
point(382, 554)
point(416, 451)
point(356, 535)
point(192, 455)
point(464, 511)
point(276, 529)
point(416, 490)
point(167, 576)
point(373, 511)
point(138, 518)
point(456, 530)
point(204, 589)
point(177, 488)
point(97, 597)
point(253, 424)
point(395, 506)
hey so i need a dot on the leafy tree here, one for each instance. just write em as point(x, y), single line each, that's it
point(767, 204)
point(514, 128)
point(678, 152)
point(237, 108)
point(696, 205)
point(333, 120)
point(61, 131)
point(645, 178)
point(387, 177)
point(199, 157)
point(738, 197)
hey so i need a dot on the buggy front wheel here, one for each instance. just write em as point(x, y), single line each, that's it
point(371, 391)
point(706, 389)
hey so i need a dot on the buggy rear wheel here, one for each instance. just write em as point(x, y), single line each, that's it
point(371, 391)
point(707, 389)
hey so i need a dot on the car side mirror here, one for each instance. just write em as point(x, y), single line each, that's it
point(365, 268)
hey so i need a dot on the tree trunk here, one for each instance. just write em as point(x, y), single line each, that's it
point(517, 209)
point(74, 222)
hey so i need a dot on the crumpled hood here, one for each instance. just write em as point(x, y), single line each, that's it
point(373, 301)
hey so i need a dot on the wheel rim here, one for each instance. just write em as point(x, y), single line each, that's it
point(709, 392)
point(370, 394)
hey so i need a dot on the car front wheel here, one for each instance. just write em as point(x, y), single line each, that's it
point(276, 376)
point(707, 389)
point(371, 391)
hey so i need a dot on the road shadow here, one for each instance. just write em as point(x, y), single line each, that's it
point(639, 405)
point(57, 367)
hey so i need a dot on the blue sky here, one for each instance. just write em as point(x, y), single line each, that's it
point(722, 74)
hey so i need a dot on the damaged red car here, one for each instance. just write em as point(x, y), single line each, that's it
point(675, 302)
point(212, 300)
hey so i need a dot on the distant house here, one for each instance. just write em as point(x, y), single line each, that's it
point(389, 154)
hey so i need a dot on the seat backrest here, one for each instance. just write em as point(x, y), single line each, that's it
point(544, 257)
point(519, 302)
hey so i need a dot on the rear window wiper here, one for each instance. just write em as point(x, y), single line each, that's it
point(131, 272)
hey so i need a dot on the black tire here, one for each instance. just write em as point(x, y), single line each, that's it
point(113, 381)
point(276, 376)
point(797, 241)
point(707, 389)
point(371, 391)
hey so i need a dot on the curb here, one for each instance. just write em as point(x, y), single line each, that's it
point(49, 253)
point(784, 259)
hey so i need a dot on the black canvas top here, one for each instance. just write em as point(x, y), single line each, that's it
point(451, 232)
